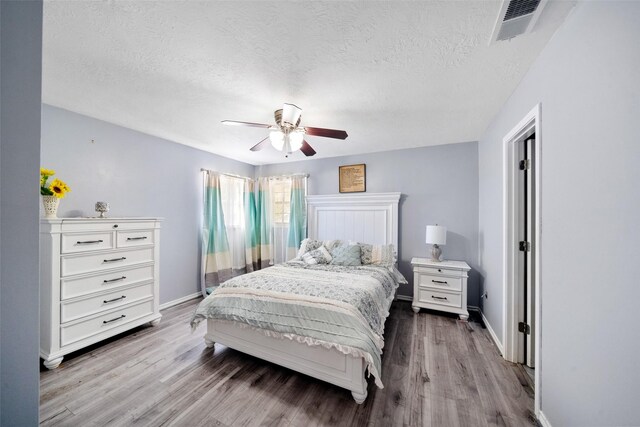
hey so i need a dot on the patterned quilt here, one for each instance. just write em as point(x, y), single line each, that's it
point(329, 305)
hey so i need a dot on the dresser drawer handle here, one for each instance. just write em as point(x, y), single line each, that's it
point(107, 301)
point(439, 281)
point(115, 259)
point(136, 238)
point(114, 280)
point(113, 320)
point(435, 297)
point(88, 242)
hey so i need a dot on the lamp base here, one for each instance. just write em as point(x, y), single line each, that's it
point(435, 253)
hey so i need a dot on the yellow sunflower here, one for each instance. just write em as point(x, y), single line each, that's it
point(47, 172)
point(59, 188)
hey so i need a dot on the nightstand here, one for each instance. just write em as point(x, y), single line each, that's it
point(440, 286)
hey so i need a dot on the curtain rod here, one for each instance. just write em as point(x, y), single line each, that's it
point(306, 175)
point(227, 174)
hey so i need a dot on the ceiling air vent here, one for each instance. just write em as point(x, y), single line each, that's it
point(516, 17)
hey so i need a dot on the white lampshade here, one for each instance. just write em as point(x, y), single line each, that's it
point(436, 235)
point(290, 115)
point(277, 139)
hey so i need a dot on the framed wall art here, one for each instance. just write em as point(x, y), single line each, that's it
point(353, 178)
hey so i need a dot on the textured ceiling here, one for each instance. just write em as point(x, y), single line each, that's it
point(392, 74)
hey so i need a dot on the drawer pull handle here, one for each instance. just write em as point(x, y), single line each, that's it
point(136, 238)
point(114, 280)
point(115, 259)
point(115, 225)
point(439, 281)
point(114, 300)
point(113, 320)
point(88, 242)
point(435, 297)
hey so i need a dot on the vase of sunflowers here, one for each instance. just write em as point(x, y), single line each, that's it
point(51, 193)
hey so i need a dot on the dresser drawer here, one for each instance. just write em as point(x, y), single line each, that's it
point(105, 225)
point(97, 262)
point(134, 238)
point(84, 242)
point(440, 298)
point(438, 282)
point(86, 328)
point(71, 288)
point(78, 308)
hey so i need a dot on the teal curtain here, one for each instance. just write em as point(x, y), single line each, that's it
point(265, 225)
point(216, 257)
point(297, 216)
point(252, 228)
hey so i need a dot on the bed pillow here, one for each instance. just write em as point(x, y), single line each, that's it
point(317, 256)
point(346, 255)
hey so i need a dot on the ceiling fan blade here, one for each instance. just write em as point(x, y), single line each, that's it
point(260, 145)
point(307, 150)
point(236, 123)
point(327, 133)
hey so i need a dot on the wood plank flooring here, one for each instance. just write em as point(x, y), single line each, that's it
point(437, 371)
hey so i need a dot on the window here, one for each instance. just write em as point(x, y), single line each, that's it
point(280, 200)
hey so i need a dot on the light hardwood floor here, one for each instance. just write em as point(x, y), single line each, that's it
point(437, 371)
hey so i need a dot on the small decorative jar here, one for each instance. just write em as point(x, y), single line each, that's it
point(102, 208)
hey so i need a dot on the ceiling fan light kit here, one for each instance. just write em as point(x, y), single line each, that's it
point(286, 141)
point(287, 136)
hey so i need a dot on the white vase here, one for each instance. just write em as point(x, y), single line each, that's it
point(50, 204)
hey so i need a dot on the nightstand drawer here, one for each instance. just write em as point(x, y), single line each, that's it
point(439, 271)
point(438, 282)
point(440, 298)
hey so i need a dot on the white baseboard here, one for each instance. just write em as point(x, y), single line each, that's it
point(544, 422)
point(496, 341)
point(180, 300)
point(404, 298)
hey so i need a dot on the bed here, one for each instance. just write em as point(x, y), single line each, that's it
point(331, 339)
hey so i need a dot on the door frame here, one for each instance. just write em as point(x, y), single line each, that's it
point(531, 121)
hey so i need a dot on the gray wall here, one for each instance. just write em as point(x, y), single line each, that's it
point(439, 185)
point(20, 77)
point(139, 175)
point(587, 80)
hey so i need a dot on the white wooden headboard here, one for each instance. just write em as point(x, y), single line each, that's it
point(364, 217)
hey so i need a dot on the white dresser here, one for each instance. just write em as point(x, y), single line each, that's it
point(98, 278)
point(440, 286)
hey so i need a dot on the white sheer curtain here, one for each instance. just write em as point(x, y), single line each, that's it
point(232, 193)
point(281, 190)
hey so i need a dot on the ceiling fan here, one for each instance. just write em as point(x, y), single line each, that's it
point(287, 135)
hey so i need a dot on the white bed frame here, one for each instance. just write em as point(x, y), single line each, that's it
point(370, 218)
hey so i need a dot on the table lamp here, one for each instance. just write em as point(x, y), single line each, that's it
point(436, 235)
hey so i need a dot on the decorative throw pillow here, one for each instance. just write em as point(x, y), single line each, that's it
point(317, 256)
point(377, 254)
point(346, 255)
point(308, 245)
point(383, 255)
